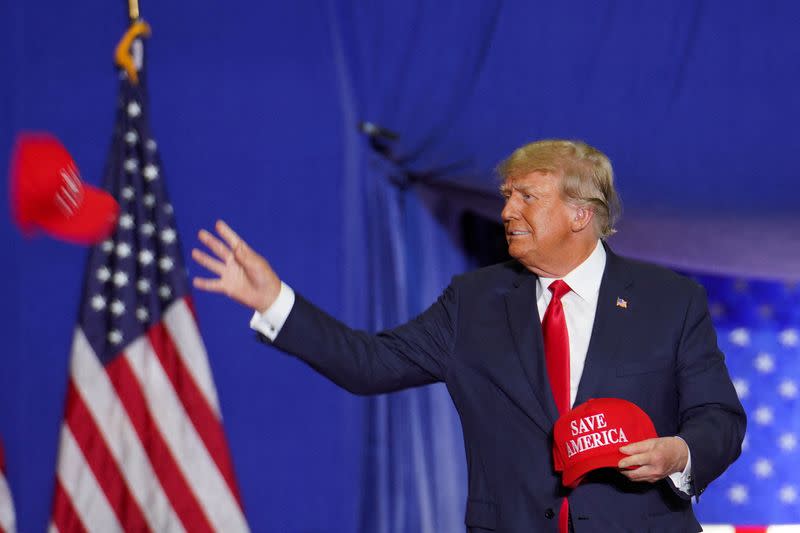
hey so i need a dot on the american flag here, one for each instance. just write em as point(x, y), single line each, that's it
point(142, 446)
point(7, 516)
point(758, 323)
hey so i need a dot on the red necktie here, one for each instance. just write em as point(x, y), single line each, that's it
point(556, 354)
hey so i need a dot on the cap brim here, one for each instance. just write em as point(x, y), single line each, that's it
point(573, 474)
point(93, 222)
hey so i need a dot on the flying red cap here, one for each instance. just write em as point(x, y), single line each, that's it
point(589, 436)
point(47, 193)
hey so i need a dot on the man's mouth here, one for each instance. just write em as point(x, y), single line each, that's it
point(516, 233)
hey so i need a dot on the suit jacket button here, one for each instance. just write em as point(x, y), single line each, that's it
point(549, 513)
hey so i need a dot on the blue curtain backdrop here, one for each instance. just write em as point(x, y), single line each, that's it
point(400, 252)
point(256, 106)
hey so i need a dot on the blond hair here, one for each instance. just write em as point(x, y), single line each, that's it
point(587, 176)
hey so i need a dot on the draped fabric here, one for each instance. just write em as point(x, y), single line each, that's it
point(401, 247)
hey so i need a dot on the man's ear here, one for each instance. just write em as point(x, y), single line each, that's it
point(583, 217)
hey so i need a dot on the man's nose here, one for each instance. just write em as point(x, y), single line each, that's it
point(509, 211)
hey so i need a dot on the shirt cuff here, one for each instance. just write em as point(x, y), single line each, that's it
point(270, 322)
point(683, 480)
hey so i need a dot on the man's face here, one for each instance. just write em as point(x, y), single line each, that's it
point(537, 221)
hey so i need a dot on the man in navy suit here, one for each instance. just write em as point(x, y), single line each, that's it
point(626, 330)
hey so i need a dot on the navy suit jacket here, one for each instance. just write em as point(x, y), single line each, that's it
point(483, 339)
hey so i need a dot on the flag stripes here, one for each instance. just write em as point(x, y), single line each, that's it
point(193, 458)
point(7, 513)
point(111, 418)
point(181, 323)
point(83, 431)
point(65, 517)
point(81, 487)
point(172, 339)
point(168, 475)
point(166, 466)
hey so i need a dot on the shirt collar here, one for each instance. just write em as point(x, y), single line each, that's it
point(584, 279)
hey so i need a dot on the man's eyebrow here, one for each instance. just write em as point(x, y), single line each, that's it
point(504, 188)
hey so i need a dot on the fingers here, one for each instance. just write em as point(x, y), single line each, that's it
point(637, 447)
point(635, 460)
point(217, 267)
point(643, 473)
point(228, 234)
point(209, 285)
point(215, 245)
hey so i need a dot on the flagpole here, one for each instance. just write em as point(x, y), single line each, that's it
point(133, 10)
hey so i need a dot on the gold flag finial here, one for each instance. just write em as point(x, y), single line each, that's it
point(122, 54)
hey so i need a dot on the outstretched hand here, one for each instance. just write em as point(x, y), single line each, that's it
point(655, 458)
point(244, 275)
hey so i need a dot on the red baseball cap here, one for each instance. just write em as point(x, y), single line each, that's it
point(47, 193)
point(589, 436)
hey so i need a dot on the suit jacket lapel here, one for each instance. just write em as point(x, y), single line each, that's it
point(523, 317)
point(609, 327)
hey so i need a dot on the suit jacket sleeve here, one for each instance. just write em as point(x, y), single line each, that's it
point(412, 354)
point(712, 420)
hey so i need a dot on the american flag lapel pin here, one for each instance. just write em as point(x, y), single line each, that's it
point(622, 303)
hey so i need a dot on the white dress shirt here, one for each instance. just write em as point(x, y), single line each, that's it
point(580, 306)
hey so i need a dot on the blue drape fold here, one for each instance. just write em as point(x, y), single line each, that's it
point(401, 245)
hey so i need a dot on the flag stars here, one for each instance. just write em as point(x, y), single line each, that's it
point(107, 246)
point(115, 336)
point(120, 279)
point(165, 264)
point(788, 389)
point(151, 145)
point(126, 221)
point(740, 337)
point(134, 109)
point(164, 292)
point(763, 415)
point(117, 307)
point(742, 388)
point(131, 137)
point(103, 274)
point(123, 250)
point(142, 315)
point(168, 236)
point(145, 257)
point(738, 494)
point(789, 338)
point(131, 165)
point(147, 229)
point(168, 209)
point(763, 468)
point(787, 494)
point(128, 192)
point(787, 442)
point(150, 172)
point(143, 286)
point(98, 303)
point(764, 363)
point(149, 200)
